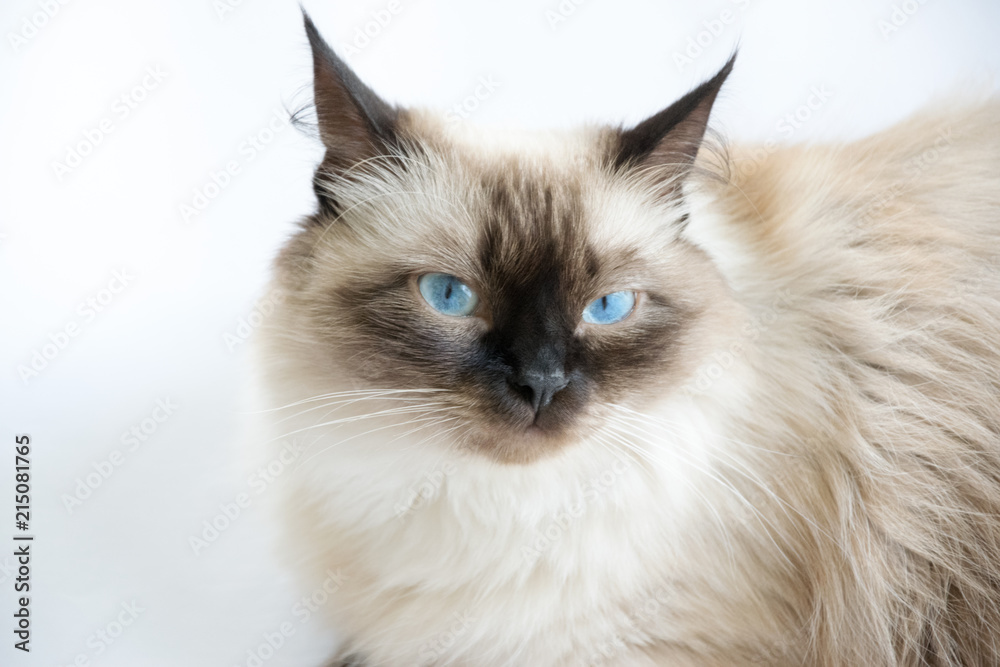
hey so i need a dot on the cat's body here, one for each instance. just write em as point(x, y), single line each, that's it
point(796, 460)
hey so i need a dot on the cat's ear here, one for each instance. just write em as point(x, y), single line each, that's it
point(355, 124)
point(666, 143)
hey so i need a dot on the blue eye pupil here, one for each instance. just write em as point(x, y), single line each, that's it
point(610, 308)
point(447, 294)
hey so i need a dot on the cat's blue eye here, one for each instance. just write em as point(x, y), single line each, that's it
point(447, 294)
point(610, 308)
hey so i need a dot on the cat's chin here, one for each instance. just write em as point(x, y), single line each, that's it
point(520, 445)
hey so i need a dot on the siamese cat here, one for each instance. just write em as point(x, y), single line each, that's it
point(622, 396)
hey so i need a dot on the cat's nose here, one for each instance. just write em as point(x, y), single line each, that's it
point(539, 387)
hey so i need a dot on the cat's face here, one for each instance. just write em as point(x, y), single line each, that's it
point(536, 283)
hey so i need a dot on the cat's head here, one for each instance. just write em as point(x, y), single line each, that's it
point(536, 282)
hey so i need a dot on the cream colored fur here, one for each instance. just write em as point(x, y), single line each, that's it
point(821, 488)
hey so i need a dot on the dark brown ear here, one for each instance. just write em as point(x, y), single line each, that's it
point(355, 124)
point(668, 141)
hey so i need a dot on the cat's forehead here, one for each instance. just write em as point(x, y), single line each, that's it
point(532, 227)
point(503, 209)
point(537, 203)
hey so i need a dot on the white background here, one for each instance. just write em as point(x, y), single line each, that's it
point(62, 237)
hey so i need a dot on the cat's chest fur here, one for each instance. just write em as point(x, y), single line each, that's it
point(453, 557)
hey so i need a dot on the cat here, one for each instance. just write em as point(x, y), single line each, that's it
point(628, 396)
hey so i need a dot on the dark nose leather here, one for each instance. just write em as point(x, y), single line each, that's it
point(538, 387)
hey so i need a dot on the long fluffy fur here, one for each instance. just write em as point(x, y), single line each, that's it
point(820, 486)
